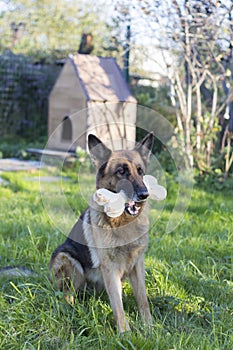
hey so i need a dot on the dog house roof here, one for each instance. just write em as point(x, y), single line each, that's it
point(101, 79)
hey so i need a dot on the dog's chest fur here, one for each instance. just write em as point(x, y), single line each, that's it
point(118, 246)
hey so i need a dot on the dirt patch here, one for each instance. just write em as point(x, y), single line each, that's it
point(13, 164)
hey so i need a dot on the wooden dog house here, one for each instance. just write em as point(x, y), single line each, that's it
point(91, 96)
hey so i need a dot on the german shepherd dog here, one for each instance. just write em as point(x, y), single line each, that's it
point(102, 251)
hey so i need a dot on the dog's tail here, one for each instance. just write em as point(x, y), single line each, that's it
point(16, 271)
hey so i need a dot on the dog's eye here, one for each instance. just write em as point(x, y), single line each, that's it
point(140, 171)
point(120, 171)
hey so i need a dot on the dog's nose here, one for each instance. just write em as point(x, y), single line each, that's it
point(142, 195)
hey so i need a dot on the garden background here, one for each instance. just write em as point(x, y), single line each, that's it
point(177, 58)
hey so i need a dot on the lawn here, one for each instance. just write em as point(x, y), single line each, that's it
point(189, 273)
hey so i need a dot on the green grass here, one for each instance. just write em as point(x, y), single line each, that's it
point(189, 275)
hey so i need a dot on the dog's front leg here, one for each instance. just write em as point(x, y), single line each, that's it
point(137, 279)
point(113, 287)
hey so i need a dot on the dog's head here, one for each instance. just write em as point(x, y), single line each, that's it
point(123, 170)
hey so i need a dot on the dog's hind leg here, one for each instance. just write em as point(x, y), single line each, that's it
point(68, 274)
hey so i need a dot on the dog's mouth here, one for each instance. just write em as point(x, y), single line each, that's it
point(131, 208)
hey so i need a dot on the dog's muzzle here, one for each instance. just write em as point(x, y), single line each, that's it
point(132, 207)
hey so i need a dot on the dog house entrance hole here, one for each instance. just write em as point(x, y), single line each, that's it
point(66, 129)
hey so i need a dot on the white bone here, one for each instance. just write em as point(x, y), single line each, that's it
point(156, 191)
point(114, 203)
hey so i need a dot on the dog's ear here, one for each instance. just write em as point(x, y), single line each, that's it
point(145, 147)
point(98, 151)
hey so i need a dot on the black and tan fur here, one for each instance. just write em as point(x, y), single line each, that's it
point(102, 251)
